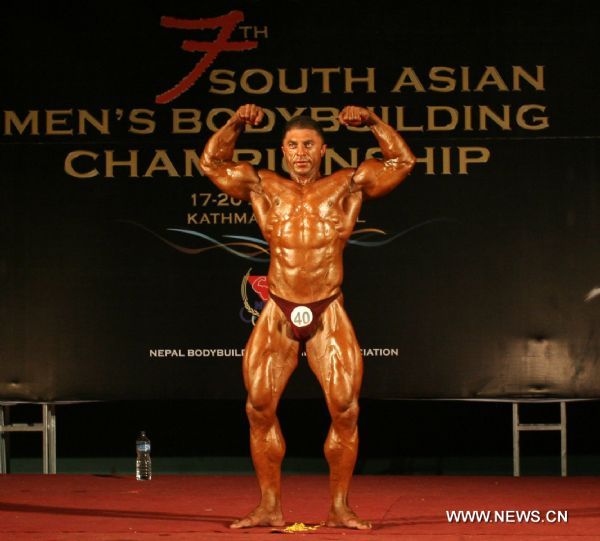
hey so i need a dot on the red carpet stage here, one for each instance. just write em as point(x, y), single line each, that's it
point(182, 508)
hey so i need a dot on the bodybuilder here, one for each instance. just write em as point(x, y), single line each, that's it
point(307, 221)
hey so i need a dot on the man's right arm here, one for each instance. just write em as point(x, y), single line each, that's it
point(237, 179)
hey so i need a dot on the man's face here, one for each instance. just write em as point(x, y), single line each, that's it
point(303, 150)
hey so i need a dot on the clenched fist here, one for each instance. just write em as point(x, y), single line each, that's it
point(355, 116)
point(250, 114)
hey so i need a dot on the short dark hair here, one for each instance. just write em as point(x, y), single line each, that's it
point(302, 122)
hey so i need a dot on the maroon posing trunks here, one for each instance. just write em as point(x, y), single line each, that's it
point(304, 318)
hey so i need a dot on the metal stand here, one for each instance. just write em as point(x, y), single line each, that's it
point(47, 427)
point(520, 427)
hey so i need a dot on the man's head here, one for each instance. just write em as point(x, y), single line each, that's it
point(303, 148)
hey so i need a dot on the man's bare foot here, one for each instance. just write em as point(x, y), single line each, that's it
point(346, 518)
point(260, 517)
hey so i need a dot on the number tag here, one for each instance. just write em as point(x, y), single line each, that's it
point(302, 316)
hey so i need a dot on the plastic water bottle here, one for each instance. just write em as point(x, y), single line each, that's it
point(143, 463)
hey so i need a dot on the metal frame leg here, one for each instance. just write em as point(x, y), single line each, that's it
point(4, 419)
point(516, 440)
point(563, 439)
point(49, 438)
point(518, 427)
point(47, 427)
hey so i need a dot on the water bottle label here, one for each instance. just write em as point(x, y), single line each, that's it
point(143, 446)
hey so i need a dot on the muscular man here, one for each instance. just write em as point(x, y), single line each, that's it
point(307, 221)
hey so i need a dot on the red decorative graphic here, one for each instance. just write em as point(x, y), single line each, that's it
point(227, 24)
point(260, 285)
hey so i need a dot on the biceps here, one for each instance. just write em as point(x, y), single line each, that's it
point(235, 179)
point(377, 177)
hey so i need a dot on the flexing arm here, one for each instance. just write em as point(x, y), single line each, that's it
point(377, 177)
point(216, 162)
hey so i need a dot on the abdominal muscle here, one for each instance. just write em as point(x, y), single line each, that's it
point(307, 229)
point(306, 258)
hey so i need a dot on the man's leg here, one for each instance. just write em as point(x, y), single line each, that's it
point(270, 357)
point(335, 358)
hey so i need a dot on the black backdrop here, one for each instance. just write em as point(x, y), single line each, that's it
point(476, 278)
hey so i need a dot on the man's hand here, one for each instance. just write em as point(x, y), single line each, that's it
point(355, 116)
point(250, 114)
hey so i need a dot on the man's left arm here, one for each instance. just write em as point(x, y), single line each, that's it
point(374, 177)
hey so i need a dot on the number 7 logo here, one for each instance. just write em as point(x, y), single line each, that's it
point(227, 24)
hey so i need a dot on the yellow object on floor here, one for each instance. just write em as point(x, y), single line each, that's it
point(299, 527)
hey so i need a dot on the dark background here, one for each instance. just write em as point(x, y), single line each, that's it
point(402, 437)
point(485, 301)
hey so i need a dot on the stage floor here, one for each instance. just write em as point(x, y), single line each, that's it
point(185, 508)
